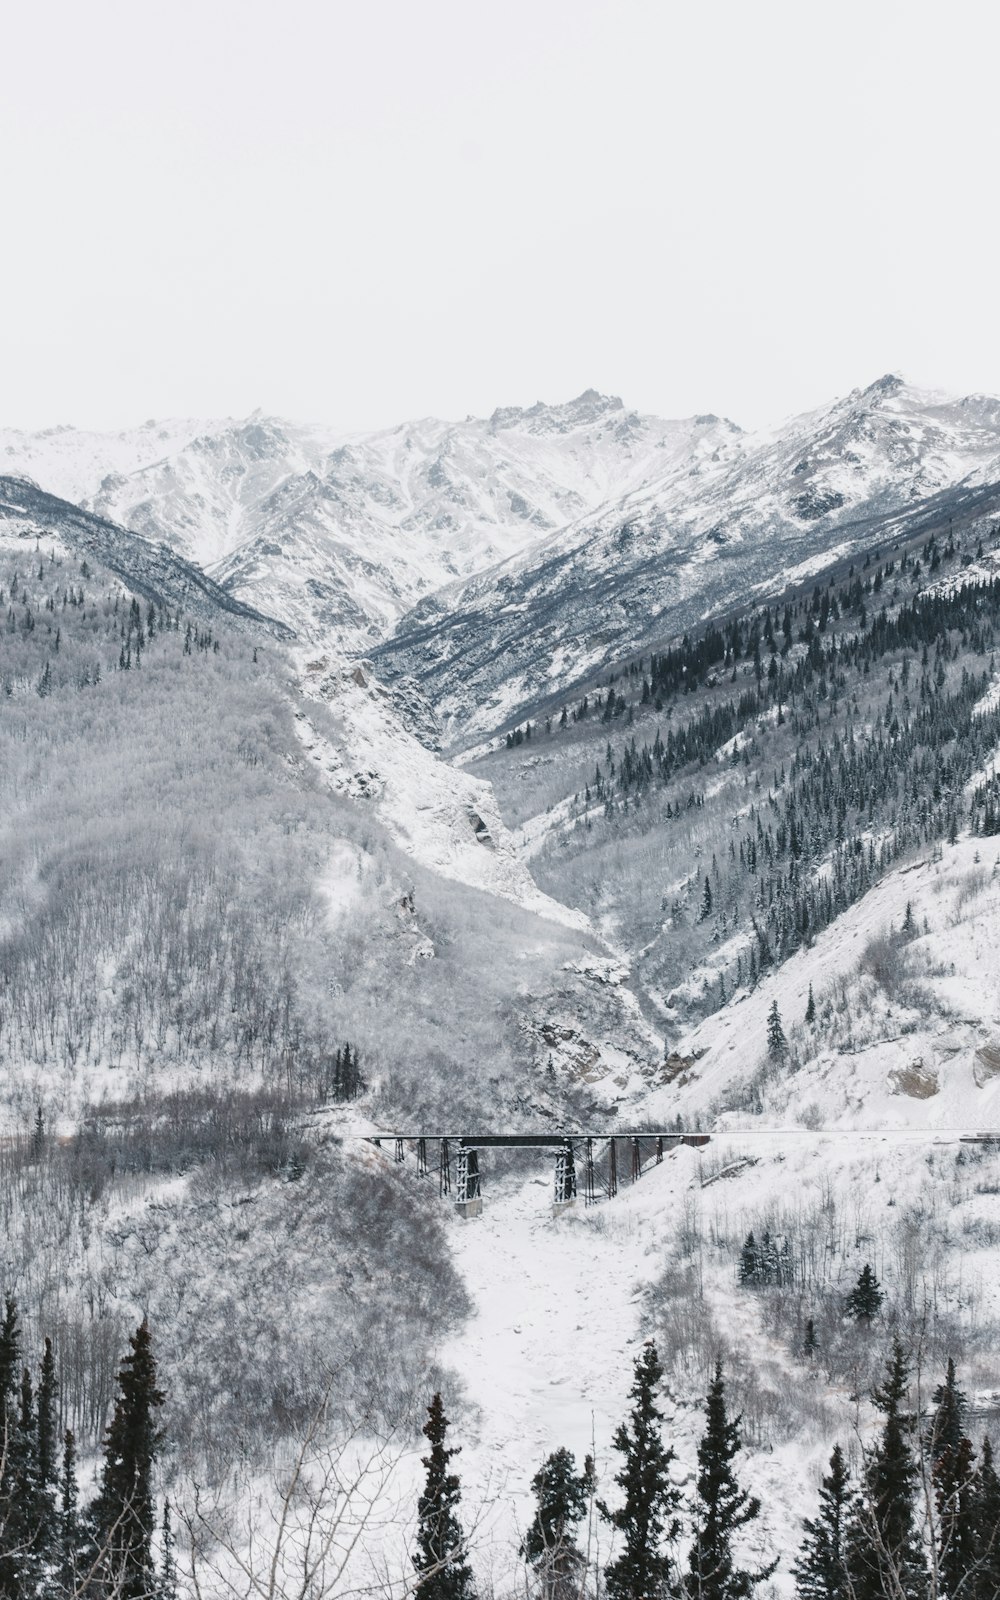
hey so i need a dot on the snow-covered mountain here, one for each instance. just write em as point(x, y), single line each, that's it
point(344, 537)
point(751, 513)
point(502, 557)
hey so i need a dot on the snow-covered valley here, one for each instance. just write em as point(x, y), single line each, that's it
point(568, 770)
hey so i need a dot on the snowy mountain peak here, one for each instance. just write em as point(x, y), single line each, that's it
point(889, 385)
point(342, 537)
point(588, 408)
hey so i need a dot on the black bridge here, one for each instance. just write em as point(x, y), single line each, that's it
point(459, 1174)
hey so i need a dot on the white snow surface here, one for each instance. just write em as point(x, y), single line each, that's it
point(561, 1309)
point(447, 820)
point(859, 1086)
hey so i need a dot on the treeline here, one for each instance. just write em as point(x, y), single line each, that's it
point(922, 1515)
point(918, 1518)
point(664, 1542)
point(828, 738)
point(53, 1545)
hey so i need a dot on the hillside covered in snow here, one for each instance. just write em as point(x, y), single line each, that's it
point(566, 773)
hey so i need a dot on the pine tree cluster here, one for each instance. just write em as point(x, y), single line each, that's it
point(884, 1535)
point(648, 1559)
point(766, 1264)
point(51, 1547)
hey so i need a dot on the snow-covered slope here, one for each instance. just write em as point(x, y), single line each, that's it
point(446, 820)
point(344, 536)
point(907, 1031)
point(745, 515)
point(73, 462)
point(148, 569)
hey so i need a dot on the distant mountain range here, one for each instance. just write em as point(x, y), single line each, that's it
point(498, 559)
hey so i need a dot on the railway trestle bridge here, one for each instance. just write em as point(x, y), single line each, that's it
point(583, 1161)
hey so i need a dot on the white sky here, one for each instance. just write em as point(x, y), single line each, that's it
point(357, 213)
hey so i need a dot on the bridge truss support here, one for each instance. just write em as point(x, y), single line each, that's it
point(468, 1192)
point(421, 1158)
point(589, 1177)
point(612, 1169)
point(444, 1168)
point(565, 1189)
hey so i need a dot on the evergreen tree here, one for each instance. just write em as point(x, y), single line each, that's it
point(123, 1515)
point(947, 1430)
point(722, 1509)
point(953, 1475)
point(884, 1551)
point(986, 1512)
point(647, 1518)
point(777, 1045)
point(561, 1497)
point(865, 1300)
point(19, 1523)
point(810, 1343)
point(69, 1515)
point(168, 1563)
point(10, 1351)
point(440, 1555)
point(820, 1571)
point(810, 1008)
point(48, 1390)
point(749, 1261)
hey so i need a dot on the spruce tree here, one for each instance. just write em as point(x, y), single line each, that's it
point(947, 1429)
point(810, 1008)
point(69, 1515)
point(444, 1573)
point(168, 1564)
point(777, 1045)
point(722, 1509)
point(647, 1519)
point(18, 1466)
point(10, 1351)
point(750, 1261)
point(123, 1519)
point(884, 1550)
point(986, 1513)
point(820, 1571)
point(48, 1391)
point(561, 1498)
point(953, 1475)
point(865, 1300)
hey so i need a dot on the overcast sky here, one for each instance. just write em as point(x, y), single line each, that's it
point(358, 213)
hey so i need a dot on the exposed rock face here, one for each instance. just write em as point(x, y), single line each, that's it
point(986, 1064)
point(917, 1080)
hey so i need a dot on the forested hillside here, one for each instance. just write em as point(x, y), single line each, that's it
point(198, 937)
point(719, 802)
